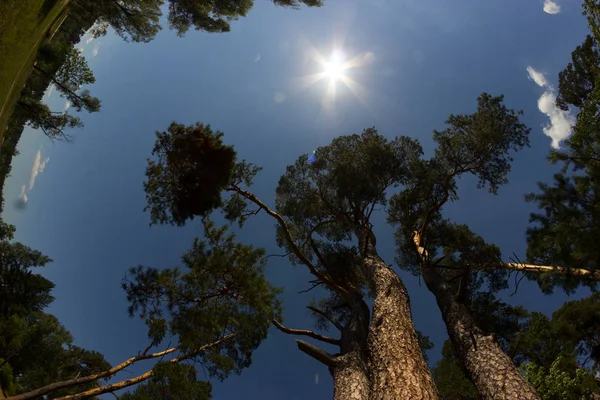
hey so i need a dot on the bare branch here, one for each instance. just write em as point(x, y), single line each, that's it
point(116, 386)
point(316, 353)
point(558, 270)
point(306, 332)
point(277, 255)
point(316, 283)
point(326, 316)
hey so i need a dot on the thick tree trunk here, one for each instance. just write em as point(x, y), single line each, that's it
point(350, 371)
point(350, 378)
point(397, 368)
point(492, 371)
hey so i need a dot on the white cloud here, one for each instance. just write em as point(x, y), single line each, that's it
point(257, 57)
point(369, 57)
point(23, 195)
point(49, 90)
point(95, 50)
point(43, 164)
point(537, 77)
point(67, 105)
point(35, 168)
point(551, 7)
point(561, 122)
point(38, 166)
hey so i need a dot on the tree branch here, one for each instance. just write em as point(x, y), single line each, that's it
point(115, 386)
point(557, 270)
point(316, 353)
point(327, 317)
point(336, 288)
point(316, 283)
point(306, 332)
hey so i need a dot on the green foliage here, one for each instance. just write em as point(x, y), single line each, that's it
point(479, 144)
point(21, 291)
point(425, 344)
point(138, 21)
point(51, 123)
point(185, 180)
point(574, 329)
point(7, 380)
point(216, 16)
point(565, 230)
point(335, 197)
point(70, 76)
point(558, 353)
point(31, 343)
point(171, 381)
point(576, 82)
point(451, 378)
point(553, 383)
point(222, 290)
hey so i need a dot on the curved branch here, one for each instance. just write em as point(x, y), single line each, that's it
point(332, 285)
point(115, 386)
point(306, 332)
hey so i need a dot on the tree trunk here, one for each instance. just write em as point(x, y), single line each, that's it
point(350, 378)
point(397, 368)
point(350, 371)
point(493, 373)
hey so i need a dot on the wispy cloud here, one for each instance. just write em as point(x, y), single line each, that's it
point(257, 57)
point(561, 122)
point(35, 168)
point(49, 91)
point(23, 195)
point(38, 166)
point(317, 379)
point(551, 7)
point(537, 77)
point(67, 105)
point(95, 50)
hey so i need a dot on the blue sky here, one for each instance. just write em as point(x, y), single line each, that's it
point(422, 60)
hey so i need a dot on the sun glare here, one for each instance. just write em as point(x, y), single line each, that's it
point(334, 69)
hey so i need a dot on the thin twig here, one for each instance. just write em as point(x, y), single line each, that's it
point(316, 283)
point(326, 316)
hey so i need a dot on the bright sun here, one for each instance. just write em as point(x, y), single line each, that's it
point(334, 70)
point(335, 67)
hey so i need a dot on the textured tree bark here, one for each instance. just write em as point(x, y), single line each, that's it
point(493, 373)
point(397, 368)
point(350, 371)
point(350, 378)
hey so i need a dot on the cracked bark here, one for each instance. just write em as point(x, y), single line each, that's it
point(493, 373)
point(397, 368)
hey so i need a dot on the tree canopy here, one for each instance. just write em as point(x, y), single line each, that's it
point(565, 233)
